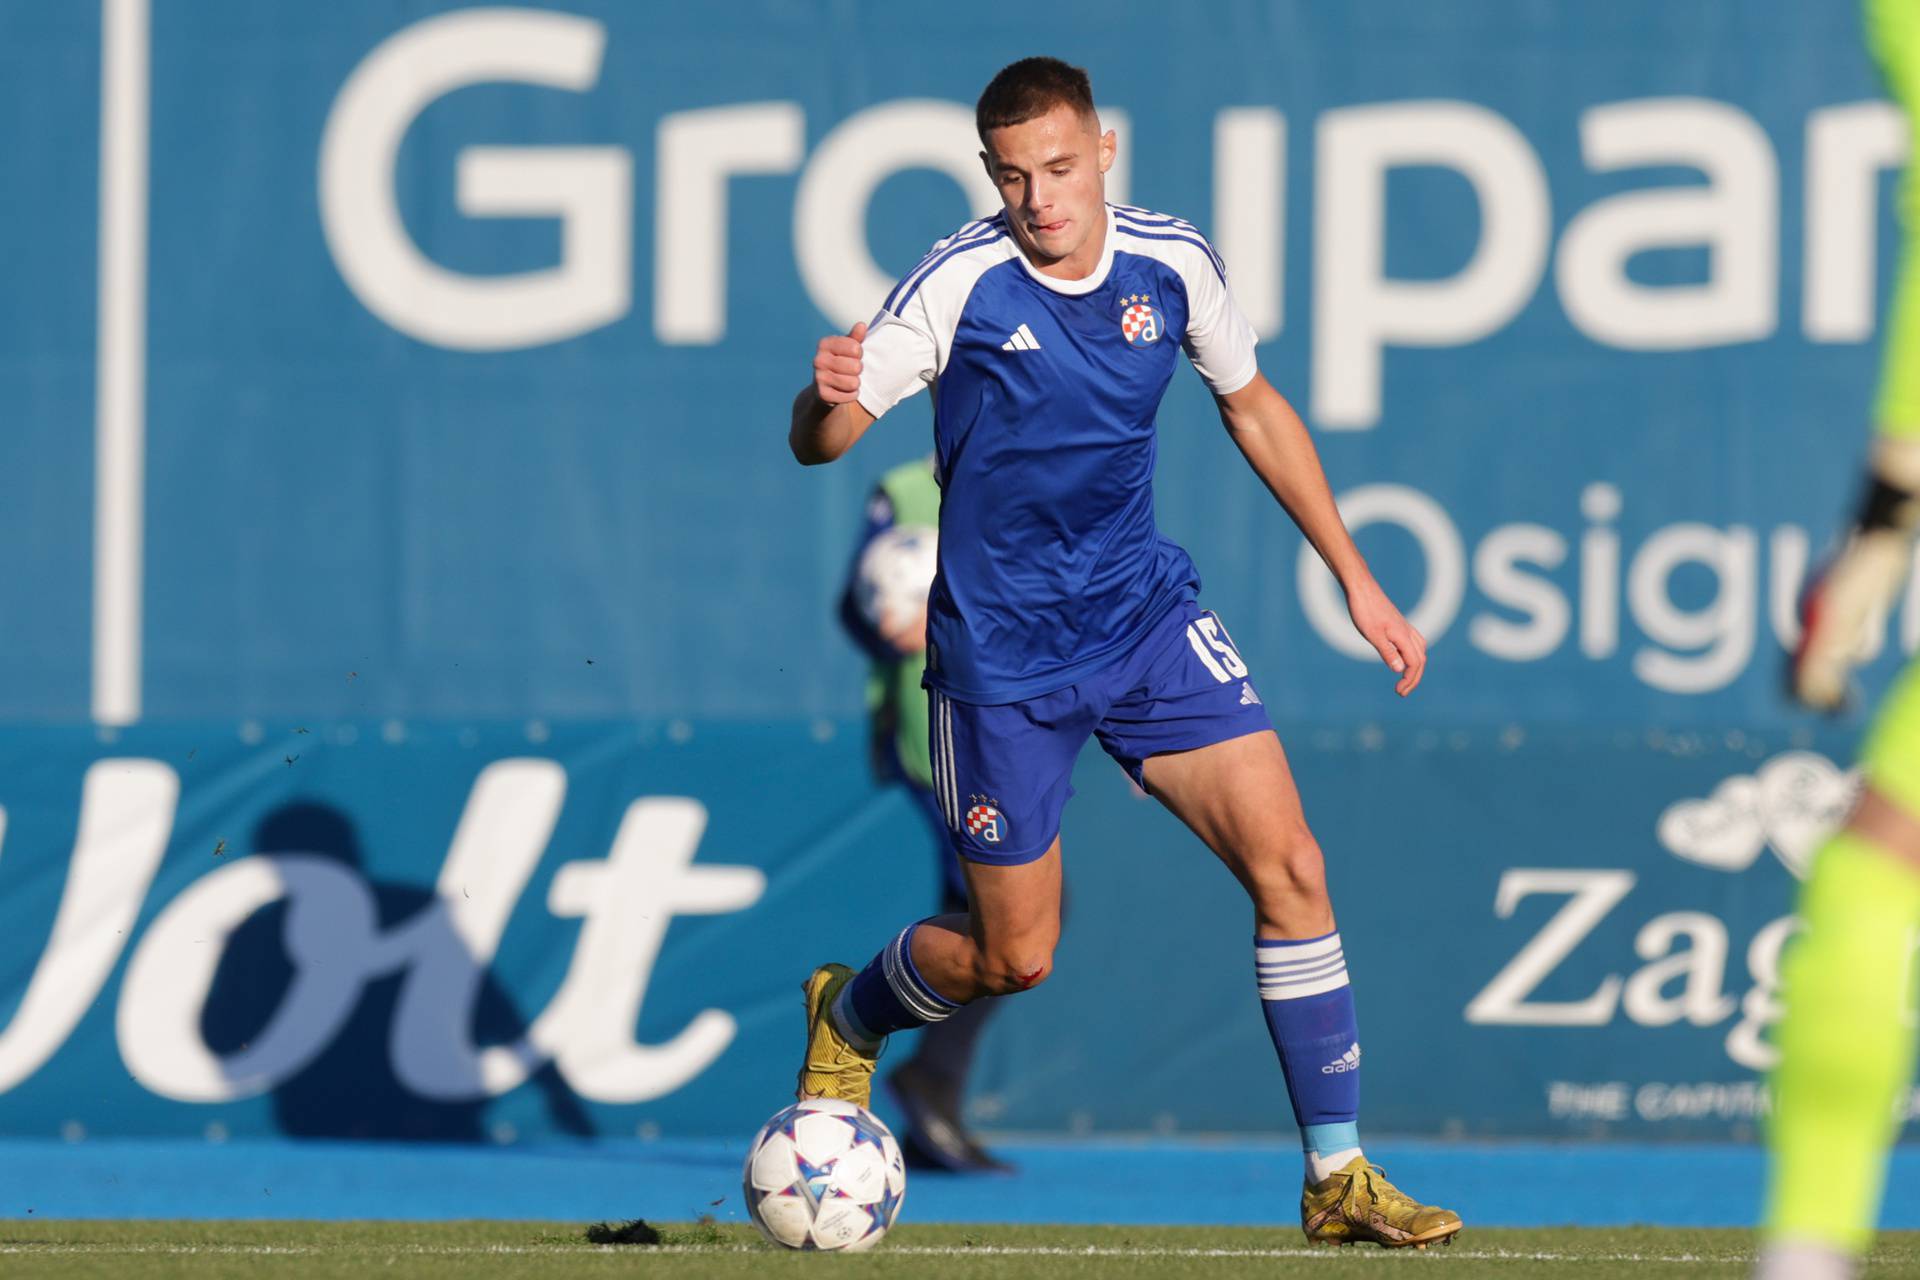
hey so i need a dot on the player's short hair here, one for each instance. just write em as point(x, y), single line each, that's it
point(1028, 88)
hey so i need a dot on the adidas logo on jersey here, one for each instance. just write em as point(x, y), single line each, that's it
point(1348, 1061)
point(1021, 339)
point(1248, 698)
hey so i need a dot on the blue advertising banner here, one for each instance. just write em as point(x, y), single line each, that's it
point(368, 930)
point(424, 712)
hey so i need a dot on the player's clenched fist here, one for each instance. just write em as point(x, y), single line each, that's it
point(836, 365)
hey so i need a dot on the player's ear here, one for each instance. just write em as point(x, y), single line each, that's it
point(1109, 148)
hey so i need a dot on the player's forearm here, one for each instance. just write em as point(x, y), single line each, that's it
point(821, 432)
point(1275, 443)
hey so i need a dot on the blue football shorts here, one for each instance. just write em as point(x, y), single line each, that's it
point(1003, 774)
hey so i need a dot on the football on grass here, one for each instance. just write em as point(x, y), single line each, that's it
point(824, 1174)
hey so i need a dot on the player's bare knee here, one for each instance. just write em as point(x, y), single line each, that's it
point(1290, 872)
point(1019, 969)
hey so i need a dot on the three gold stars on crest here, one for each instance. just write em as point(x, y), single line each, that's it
point(1132, 298)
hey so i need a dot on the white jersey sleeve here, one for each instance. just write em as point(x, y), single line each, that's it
point(908, 342)
point(1220, 340)
point(897, 358)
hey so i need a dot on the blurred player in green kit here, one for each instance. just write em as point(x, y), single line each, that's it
point(884, 608)
point(1847, 1039)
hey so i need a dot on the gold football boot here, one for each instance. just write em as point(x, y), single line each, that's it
point(1358, 1204)
point(835, 1067)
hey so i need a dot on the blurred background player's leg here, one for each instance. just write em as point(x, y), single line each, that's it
point(931, 1086)
point(1847, 1037)
point(1847, 1040)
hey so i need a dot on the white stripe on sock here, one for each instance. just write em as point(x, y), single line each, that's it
point(1299, 966)
point(1299, 991)
point(1302, 975)
point(1275, 949)
point(1293, 971)
point(897, 966)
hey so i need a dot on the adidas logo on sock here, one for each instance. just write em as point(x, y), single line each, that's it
point(1348, 1061)
point(1248, 698)
point(1021, 339)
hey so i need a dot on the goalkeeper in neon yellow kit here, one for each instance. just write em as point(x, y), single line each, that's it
point(1847, 1040)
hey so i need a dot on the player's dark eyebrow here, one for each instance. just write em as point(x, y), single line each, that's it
point(1050, 162)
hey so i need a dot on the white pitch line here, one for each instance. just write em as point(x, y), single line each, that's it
point(120, 373)
point(308, 1250)
point(933, 1251)
point(1117, 1251)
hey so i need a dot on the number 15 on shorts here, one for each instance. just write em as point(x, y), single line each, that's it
point(1214, 647)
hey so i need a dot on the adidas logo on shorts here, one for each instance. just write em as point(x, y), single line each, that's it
point(1248, 698)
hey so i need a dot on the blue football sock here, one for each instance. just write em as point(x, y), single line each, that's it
point(1309, 1008)
point(889, 995)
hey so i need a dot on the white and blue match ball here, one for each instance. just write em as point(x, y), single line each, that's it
point(824, 1175)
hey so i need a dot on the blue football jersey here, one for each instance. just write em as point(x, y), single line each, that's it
point(1044, 398)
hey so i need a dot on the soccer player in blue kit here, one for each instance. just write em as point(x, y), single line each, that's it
point(1047, 335)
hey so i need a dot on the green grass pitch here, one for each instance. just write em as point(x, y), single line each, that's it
point(549, 1249)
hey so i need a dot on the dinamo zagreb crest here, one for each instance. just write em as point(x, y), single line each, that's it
point(984, 820)
point(1139, 323)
